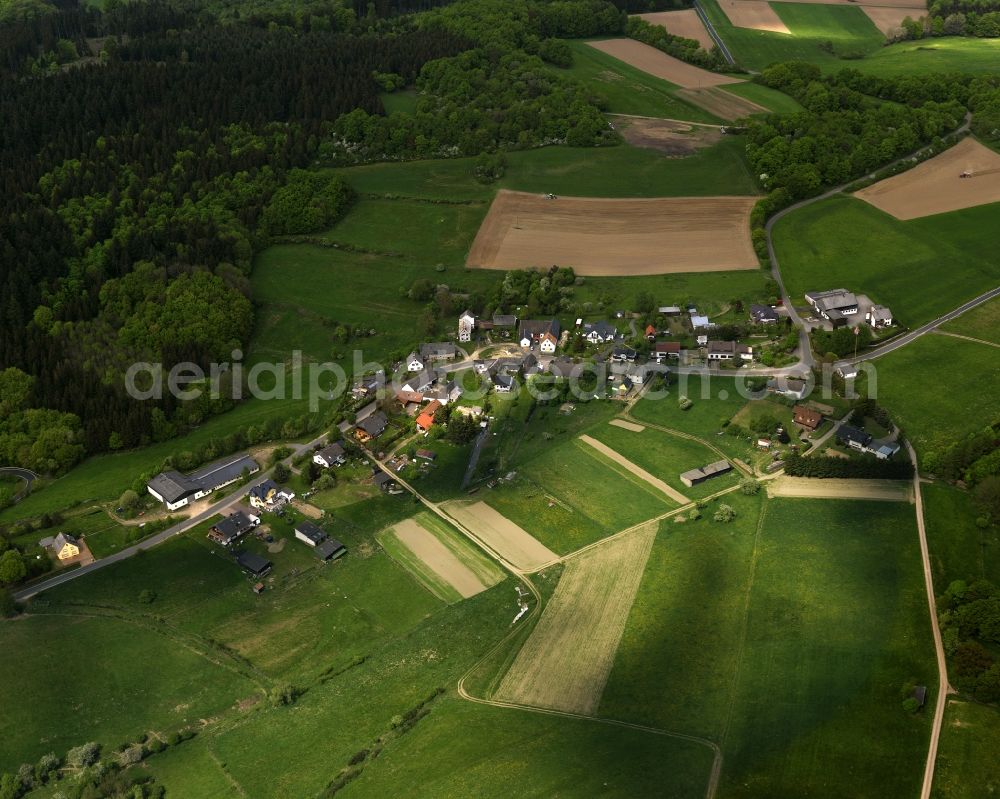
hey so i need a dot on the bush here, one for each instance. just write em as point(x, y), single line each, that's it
point(749, 486)
point(83, 756)
point(725, 513)
point(281, 473)
point(284, 695)
point(684, 403)
point(911, 705)
point(147, 597)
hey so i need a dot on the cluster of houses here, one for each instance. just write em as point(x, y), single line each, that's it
point(837, 306)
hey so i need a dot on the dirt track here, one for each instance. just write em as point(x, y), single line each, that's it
point(638, 471)
point(667, 136)
point(616, 237)
point(836, 488)
point(723, 104)
point(935, 187)
point(635, 428)
point(438, 558)
point(754, 14)
point(502, 535)
point(566, 661)
point(684, 23)
point(660, 65)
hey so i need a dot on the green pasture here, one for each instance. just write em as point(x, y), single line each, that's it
point(927, 56)
point(715, 401)
point(967, 766)
point(982, 322)
point(959, 548)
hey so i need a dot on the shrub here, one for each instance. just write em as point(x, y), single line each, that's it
point(147, 596)
point(911, 705)
point(749, 486)
point(83, 756)
point(725, 513)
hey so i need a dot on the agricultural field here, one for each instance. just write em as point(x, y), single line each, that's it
point(834, 488)
point(946, 54)
point(982, 323)
point(684, 23)
point(772, 99)
point(966, 765)
point(660, 65)
point(503, 536)
point(565, 663)
point(959, 548)
point(920, 269)
point(616, 237)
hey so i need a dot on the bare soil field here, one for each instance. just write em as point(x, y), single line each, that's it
point(934, 187)
point(631, 426)
point(660, 65)
point(889, 19)
point(837, 488)
point(638, 471)
point(307, 510)
point(667, 136)
point(602, 237)
point(723, 104)
point(503, 536)
point(754, 14)
point(684, 23)
point(566, 661)
point(438, 558)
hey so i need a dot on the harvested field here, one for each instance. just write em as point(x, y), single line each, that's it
point(438, 558)
point(632, 426)
point(889, 19)
point(837, 488)
point(616, 237)
point(723, 104)
point(684, 23)
point(934, 187)
point(667, 136)
point(754, 14)
point(638, 471)
point(660, 65)
point(502, 535)
point(566, 661)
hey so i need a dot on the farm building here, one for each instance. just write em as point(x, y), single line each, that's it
point(426, 454)
point(332, 455)
point(269, 496)
point(699, 322)
point(383, 481)
point(669, 310)
point(834, 305)
point(309, 533)
point(65, 546)
point(331, 549)
point(232, 528)
point(438, 351)
point(700, 475)
point(253, 564)
point(883, 450)
point(176, 490)
point(806, 417)
point(505, 322)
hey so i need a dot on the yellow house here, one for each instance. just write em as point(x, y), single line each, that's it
point(65, 546)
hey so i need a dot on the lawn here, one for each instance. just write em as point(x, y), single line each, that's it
point(622, 89)
point(934, 412)
point(715, 400)
point(959, 549)
point(982, 322)
point(920, 269)
point(949, 54)
point(967, 765)
point(848, 29)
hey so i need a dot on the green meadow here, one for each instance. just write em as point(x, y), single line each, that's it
point(967, 766)
point(945, 54)
point(959, 548)
point(982, 322)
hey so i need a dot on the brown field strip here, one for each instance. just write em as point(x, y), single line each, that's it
point(934, 187)
point(635, 469)
point(840, 488)
point(754, 14)
point(616, 236)
point(660, 65)
point(684, 23)
point(438, 558)
point(514, 544)
point(723, 104)
point(566, 661)
point(890, 19)
point(635, 428)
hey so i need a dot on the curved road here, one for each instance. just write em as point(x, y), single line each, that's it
point(25, 474)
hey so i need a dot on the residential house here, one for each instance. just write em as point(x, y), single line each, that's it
point(232, 528)
point(420, 382)
point(503, 384)
point(372, 426)
point(253, 564)
point(466, 324)
point(438, 351)
point(762, 314)
point(699, 322)
point(269, 496)
point(599, 332)
point(879, 317)
point(623, 355)
point(383, 481)
point(547, 343)
point(834, 305)
point(426, 419)
point(565, 368)
point(853, 437)
point(728, 351)
point(414, 363)
point(65, 546)
point(176, 490)
point(650, 334)
point(666, 349)
point(426, 454)
point(409, 398)
point(308, 533)
point(531, 331)
point(332, 455)
point(368, 385)
point(444, 393)
point(805, 417)
point(695, 476)
point(788, 387)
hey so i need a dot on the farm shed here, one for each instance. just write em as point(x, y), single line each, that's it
point(700, 475)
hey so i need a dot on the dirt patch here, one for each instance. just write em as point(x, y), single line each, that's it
point(934, 187)
point(660, 65)
point(635, 469)
point(277, 546)
point(754, 14)
point(684, 23)
point(307, 510)
point(501, 535)
point(604, 237)
point(723, 104)
point(438, 558)
point(666, 136)
point(836, 488)
point(632, 426)
point(836, 453)
point(566, 661)
point(889, 20)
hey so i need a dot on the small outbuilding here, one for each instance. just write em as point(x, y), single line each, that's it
point(253, 564)
point(700, 475)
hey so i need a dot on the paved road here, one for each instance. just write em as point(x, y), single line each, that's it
point(28, 476)
point(154, 540)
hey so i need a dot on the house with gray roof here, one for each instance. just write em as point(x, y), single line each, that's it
point(176, 490)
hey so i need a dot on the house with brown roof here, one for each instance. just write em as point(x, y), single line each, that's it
point(426, 419)
point(805, 417)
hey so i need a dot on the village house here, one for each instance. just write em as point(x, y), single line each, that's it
point(650, 334)
point(788, 387)
point(269, 496)
point(623, 355)
point(547, 343)
point(853, 437)
point(414, 363)
point(438, 351)
point(368, 385)
point(879, 317)
point(332, 455)
point(65, 546)
point(371, 426)
point(176, 490)
point(444, 392)
point(762, 314)
point(700, 475)
point(834, 305)
point(532, 331)
point(728, 350)
point(805, 417)
point(232, 528)
point(848, 372)
point(599, 332)
point(420, 382)
point(666, 349)
point(425, 421)
point(502, 383)
point(466, 325)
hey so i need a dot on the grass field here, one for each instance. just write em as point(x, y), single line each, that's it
point(403, 101)
point(920, 269)
point(772, 99)
point(949, 54)
point(967, 767)
point(982, 322)
point(959, 549)
point(934, 413)
point(623, 89)
point(811, 24)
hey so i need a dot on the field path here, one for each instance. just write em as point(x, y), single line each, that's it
point(635, 469)
point(630, 426)
point(967, 338)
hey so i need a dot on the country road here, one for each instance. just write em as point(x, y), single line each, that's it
point(25, 474)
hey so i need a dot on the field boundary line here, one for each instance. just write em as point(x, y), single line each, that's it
point(941, 332)
point(627, 474)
